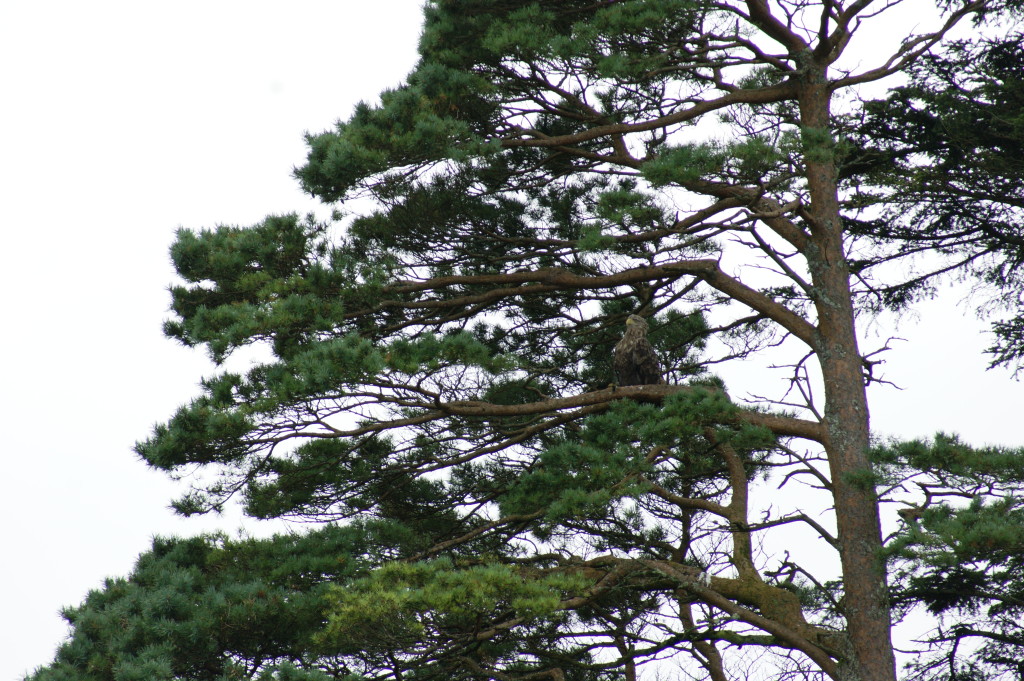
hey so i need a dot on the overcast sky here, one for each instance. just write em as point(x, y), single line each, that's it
point(122, 121)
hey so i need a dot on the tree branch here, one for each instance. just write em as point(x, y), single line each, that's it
point(768, 95)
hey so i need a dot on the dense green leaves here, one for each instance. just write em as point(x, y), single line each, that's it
point(418, 123)
point(403, 605)
point(960, 553)
point(946, 152)
point(209, 608)
point(276, 281)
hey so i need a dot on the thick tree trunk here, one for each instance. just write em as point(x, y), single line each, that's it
point(866, 604)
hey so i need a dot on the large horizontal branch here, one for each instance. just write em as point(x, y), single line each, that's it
point(768, 95)
point(583, 404)
point(783, 426)
point(554, 278)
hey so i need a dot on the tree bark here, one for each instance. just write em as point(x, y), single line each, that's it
point(847, 431)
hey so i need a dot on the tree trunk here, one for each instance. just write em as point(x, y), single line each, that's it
point(866, 604)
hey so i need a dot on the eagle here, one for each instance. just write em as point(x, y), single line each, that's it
point(635, 361)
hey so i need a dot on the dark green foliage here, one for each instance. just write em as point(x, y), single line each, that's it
point(471, 53)
point(272, 282)
point(210, 608)
point(947, 153)
point(960, 554)
point(410, 606)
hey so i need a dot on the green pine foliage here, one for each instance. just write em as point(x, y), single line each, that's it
point(943, 156)
point(959, 554)
point(425, 605)
point(211, 608)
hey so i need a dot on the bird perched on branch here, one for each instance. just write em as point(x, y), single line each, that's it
point(635, 361)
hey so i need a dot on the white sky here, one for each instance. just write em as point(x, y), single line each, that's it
point(121, 121)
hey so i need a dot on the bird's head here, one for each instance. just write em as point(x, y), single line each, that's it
point(636, 320)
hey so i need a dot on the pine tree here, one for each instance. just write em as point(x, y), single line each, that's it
point(439, 389)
